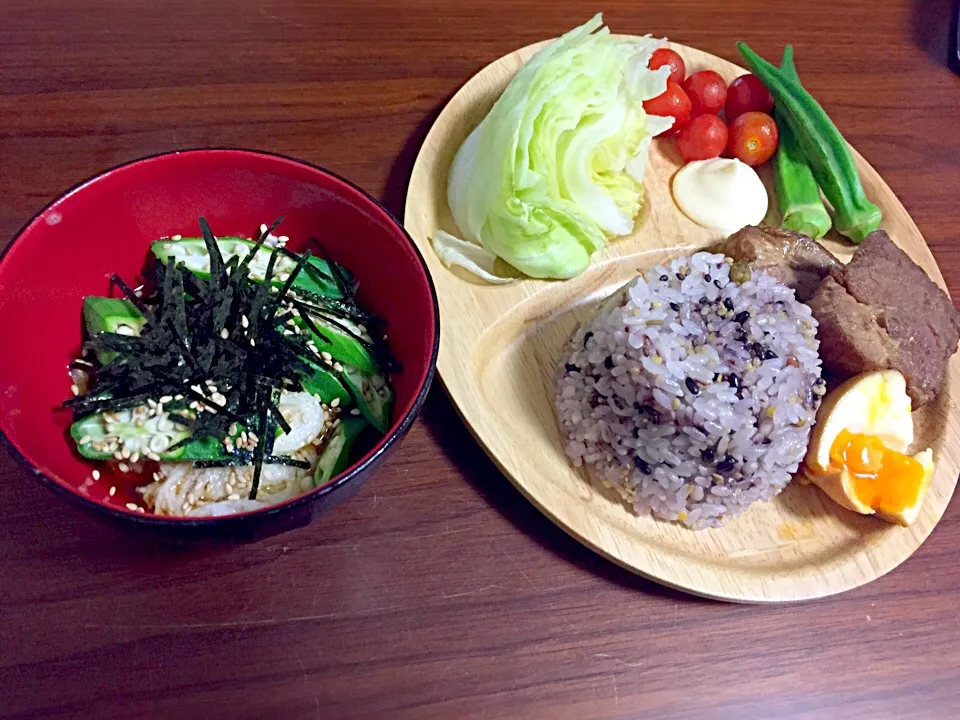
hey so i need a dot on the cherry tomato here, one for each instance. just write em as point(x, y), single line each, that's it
point(707, 91)
point(747, 94)
point(673, 102)
point(665, 56)
point(753, 138)
point(703, 138)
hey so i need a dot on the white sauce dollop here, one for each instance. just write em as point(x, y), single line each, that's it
point(721, 194)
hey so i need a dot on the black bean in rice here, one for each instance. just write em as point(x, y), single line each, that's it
point(693, 397)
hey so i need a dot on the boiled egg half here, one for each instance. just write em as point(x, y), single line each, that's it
point(858, 449)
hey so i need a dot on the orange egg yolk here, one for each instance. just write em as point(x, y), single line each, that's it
point(884, 479)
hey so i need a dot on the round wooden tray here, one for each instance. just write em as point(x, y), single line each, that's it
point(501, 344)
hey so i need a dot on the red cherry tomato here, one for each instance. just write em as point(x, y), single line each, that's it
point(707, 91)
point(747, 94)
point(703, 138)
point(753, 138)
point(673, 102)
point(665, 56)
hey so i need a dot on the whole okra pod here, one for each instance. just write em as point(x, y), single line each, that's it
point(823, 146)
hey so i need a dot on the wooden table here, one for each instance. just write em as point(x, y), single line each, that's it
point(438, 591)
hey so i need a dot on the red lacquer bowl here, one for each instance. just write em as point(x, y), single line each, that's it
point(105, 226)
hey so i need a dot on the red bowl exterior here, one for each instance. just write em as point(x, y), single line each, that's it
point(105, 226)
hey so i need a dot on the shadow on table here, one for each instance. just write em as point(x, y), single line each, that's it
point(394, 195)
point(934, 23)
point(442, 422)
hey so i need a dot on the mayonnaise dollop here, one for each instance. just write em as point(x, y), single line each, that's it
point(721, 194)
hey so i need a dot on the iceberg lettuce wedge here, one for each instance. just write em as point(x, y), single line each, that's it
point(556, 168)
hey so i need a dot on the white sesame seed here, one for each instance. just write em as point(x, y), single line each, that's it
point(326, 356)
point(335, 402)
point(74, 389)
point(296, 330)
point(338, 367)
point(219, 399)
point(113, 491)
point(131, 506)
point(153, 456)
point(140, 510)
point(175, 237)
point(253, 343)
point(233, 496)
point(244, 321)
point(354, 411)
point(151, 403)
point(85, 439)
point(118, 455)
point(224, 333)
point(165, 399)
point(263, 229)
point(135, 457)
point(95, 474)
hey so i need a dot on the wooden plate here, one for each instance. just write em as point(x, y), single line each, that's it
point(501, 344)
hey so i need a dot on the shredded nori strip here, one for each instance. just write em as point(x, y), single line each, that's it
point(258, 245)
point(128, 292)
point(213, 250)
point(288, 283)
point(244, 458)
point(349, 293)
point(379, 350)
point(194, 335)
point(341, 308)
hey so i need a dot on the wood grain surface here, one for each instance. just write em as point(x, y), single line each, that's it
point(502, 345)
point(438, 591)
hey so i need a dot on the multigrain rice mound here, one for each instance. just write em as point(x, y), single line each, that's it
point(691, 394)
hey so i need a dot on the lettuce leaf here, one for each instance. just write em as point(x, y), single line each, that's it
point(556, 168)
point(454, 252)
